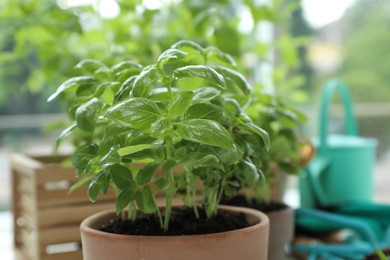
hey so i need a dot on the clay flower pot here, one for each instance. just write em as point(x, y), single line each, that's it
point(249, 243)
point(281, 232)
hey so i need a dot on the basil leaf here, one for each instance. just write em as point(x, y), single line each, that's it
point(65, 133)
point(96, 185)
point(213, 53)
point(90, 66)
point(83, 155)
point(75, 82)
point(200, 159)
point(146, 173)
point(123, 199)
point(143, 82)
point(254, 129)
point(200, 71)
point(205, 131)
point(145, 200)
point(84, 180)
point(139, 113)
point(187, 44)
point(135, 148)
point(121, 176)
point(180, 104)
point(204, 111)
point(125, 89)
point(87, 113)
point(205, 94)
point(236, 78)
point(124, 65)
point(249, 170)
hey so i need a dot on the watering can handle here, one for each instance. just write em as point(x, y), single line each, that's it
point(350, 122)
point(318, 166)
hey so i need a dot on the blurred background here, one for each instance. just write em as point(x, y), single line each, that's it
point(286, 47)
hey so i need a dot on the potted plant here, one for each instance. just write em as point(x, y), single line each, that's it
point(183, 115)
point(281, 121)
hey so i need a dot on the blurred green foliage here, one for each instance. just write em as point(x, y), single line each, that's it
point(41, 40)
point(366, 65)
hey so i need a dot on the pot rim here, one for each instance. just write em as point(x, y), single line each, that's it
point(85, 226)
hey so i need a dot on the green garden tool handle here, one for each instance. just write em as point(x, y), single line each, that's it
point(350, 123)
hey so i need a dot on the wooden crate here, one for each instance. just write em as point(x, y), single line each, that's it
point(46, 217)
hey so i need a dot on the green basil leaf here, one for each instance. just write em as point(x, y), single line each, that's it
point(111, 158)
point(145, 174)
point(95, 186)
point(84, 180)
point(115, 133)
point(187, 44)
point(233, 106)
point(180, 104)
point(121, 176)
point(83, 155)
point(87, 114)
point(213, 53)
point(204, 111)
point(123, 199)
point(169, 55)
point(72, 83)
point(236, 78)
point(90, 66)
point(200, 159)
point(159, 128)
point(254, 129)
point(161, 183)
point(205, 94)
point(200, 71)
point(144, 81)
point(125, 65)
point(65, 133)
point(124, 90)
point(228, 156)
point(135, 148)
point(103, 87)
point(145, 200)
point(139, 113)
point(249, 170)
point(205, 131)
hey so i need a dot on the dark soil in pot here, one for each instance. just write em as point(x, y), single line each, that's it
point(183, 222)
point(242, 201)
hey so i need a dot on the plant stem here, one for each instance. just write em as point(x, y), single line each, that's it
point(220, 192)
point(171, 182)
point(191, 192)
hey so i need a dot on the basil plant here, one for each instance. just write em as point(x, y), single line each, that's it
point(282, 122)
point(163, 128)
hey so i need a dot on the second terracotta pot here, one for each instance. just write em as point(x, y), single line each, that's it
point(281, 232)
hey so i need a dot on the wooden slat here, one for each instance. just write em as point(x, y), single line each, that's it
point(70, 215)
point(56, 198)
point(59, 235)
point(55, 173)
point(30, 243)
point(30, 222)
point(24, 164)
point(26, 184)
point(74, 255)
point(28, 203)
point(15, 198)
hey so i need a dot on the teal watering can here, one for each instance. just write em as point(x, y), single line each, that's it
point(342, 170)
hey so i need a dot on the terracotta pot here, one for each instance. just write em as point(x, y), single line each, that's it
point(247, 243)
point(281, 232)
